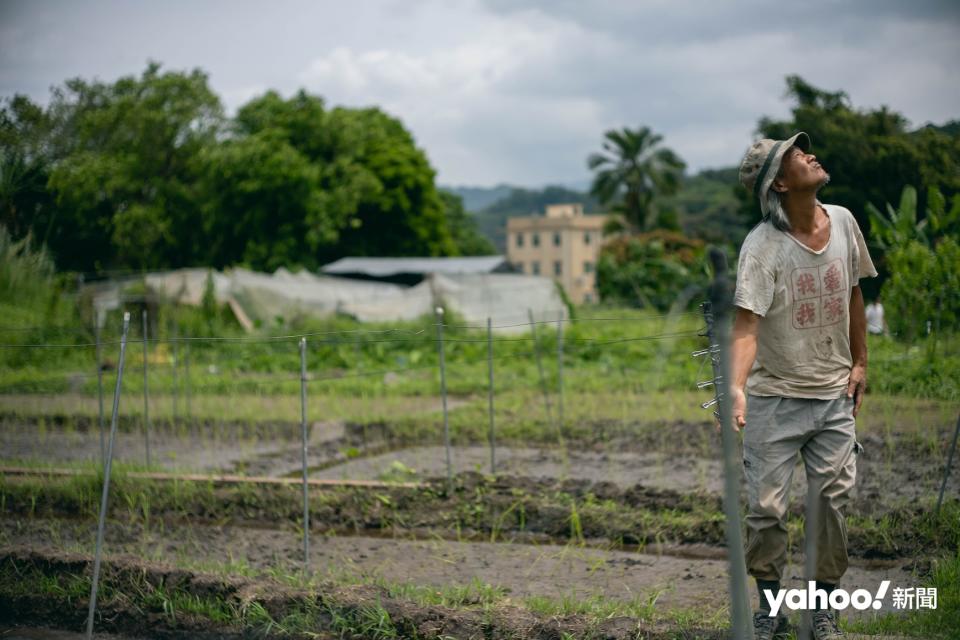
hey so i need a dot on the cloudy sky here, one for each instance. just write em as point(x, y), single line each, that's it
point(515, 91)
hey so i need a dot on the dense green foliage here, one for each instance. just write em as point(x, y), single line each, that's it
point(655, 270)
point(871, 154)
point(147, 172)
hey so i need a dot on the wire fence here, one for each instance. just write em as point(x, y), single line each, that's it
point(324, 404)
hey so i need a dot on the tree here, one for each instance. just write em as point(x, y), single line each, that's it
point(651, 270)
point(24, 167)
point(871, 154)
point(631, 173)
point(125, 183)
point(467, 238)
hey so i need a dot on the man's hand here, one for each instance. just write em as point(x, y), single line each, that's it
point(857, 386)
point(739, 405)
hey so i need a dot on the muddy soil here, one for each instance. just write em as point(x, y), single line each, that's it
point(128, 576)
point(693, 579)
point(893, 469)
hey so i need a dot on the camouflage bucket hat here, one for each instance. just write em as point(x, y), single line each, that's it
point(762, 163)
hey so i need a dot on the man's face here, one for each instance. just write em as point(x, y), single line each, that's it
point(800, 171)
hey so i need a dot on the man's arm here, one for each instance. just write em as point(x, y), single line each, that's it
point(743, 351)
point(857, 384)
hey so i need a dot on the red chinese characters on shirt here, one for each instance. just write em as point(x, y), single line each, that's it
point(818, 295)
point(805, 314)
point(806, 284)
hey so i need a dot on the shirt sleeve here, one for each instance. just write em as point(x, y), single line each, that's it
point(755, 285)
point(862, 264)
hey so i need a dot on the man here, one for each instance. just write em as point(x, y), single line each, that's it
point(875, 321)
point(799, 361)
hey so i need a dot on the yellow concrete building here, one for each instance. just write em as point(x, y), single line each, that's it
point(563, 245)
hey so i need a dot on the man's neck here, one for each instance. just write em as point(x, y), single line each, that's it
point(803, 211)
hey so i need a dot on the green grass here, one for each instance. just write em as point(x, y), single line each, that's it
point(942, 622)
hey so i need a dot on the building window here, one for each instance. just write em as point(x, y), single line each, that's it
point(536, 268)
point(588, 297)
point(588, 267)
point(556, 238)
point(519, 239)
point(586, 237)
point(536, 239)
point(518, 266)
point(557, 268)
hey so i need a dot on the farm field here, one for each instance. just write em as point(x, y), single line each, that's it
point(615, 529)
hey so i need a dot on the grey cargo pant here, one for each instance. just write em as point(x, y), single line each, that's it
point(822, 432)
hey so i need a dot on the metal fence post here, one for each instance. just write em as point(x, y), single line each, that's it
point(493, 463)
point(740, 619)
point(946, 472)
point(146, 392)
point(186, 381)
point(443, 395)
point(106, 479)
point(97, 317)
point(176, 365)
point(560, 373)
point(303, 438)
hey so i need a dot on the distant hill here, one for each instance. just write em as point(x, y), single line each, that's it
point(478, 198)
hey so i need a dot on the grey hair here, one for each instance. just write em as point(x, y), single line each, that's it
point(776, 214)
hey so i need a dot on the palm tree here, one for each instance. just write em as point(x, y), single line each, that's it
point(631, 173)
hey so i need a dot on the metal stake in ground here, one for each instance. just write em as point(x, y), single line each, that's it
point(720, 303)
point(493, 464)
point(543, 380)
point(146, 392)
point(186, 381)
point(946, 472)
point(560, 372)
point(176, 364)
point(106, 479)
point(443, 396)
point(303, 436)
point(97, 317)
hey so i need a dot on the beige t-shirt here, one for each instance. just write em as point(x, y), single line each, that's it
point(803, 298)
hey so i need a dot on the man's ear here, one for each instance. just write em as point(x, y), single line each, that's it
point(778, 186)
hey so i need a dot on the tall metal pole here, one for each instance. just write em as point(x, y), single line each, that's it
point(103, 446)
point(946, 472)
point(303, 439)
point(176, 365)
point(560, 373)
point(493, 463)
point(443, 395)
point(106, 479)
point(146, 391)
point(186, 382)
point(741, 624)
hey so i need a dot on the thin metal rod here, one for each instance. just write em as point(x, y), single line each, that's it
point(443, 395)
point(810, 530)
point(946, 472)
point(493, 448)
point(303, 436)
point(146, 390)
point(176, 365)
point(106, 479)
point(543, 380)
point(186, 381)
point(740, 619)
point(103, 444)
point(560, 372)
